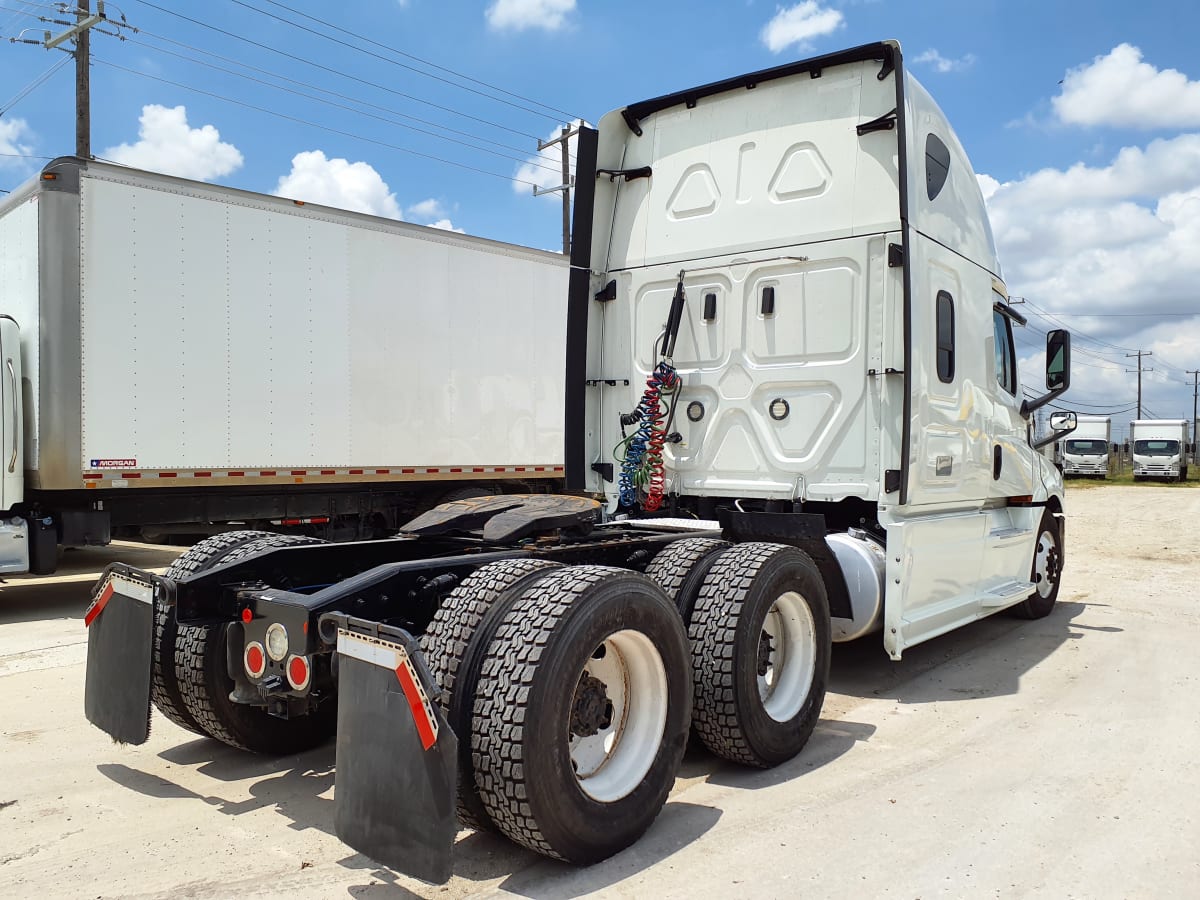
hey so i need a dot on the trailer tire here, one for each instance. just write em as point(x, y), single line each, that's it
point(455, 646)
point(543, 713)
point(205, 685)
point(679, 569)
point(164, 687)
point(761, 642)
point(1047, 571)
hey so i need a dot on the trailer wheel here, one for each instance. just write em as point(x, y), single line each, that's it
point(1047, 571)
point(582, 713)
point(205, 685)
point(164, 687)
point(455, 646)
point(679, 570)
point(761, 642)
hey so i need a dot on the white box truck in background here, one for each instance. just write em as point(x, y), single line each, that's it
point(786, 315)
point(1088, 449)
point(178, 356)
point(1159, 448)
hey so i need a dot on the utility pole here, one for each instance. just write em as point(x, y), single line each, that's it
point(1139, 370)
point(563, 140)
point(1195, 373)
point(78, 31)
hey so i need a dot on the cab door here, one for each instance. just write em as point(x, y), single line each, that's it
point(1008, 434)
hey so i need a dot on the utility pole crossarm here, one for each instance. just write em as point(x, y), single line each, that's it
point(564, 141)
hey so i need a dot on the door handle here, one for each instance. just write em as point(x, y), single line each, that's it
point(997, 462)
point(12, 383)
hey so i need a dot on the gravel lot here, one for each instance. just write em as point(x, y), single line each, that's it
point(1051, 758)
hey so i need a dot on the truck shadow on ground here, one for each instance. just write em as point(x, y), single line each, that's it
point(984, 659)
point(25, 602)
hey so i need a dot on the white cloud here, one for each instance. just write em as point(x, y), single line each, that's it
point(166, 143)
point(797, 25)
point(1121, 90)
point(446, 225)
point(1099, 246)
point(14, 137)
point(545, 169)
point(519, 15)
point(427, 209)
point(942, 64)
point(339, 183)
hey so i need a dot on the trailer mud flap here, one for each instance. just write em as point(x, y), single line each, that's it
point(396, 757)
point(120, 624)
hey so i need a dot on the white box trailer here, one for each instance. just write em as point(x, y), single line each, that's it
point(786, 316)
point(180, 355)
point(1088, 449)
point(1159, 448)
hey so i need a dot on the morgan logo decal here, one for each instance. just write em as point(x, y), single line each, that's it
point(114, 464)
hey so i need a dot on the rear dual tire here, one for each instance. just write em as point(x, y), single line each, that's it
point(582, 712)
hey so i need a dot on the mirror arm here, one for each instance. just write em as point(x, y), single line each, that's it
point(1028, 406)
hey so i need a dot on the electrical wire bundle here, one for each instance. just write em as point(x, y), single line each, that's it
point(643, 472)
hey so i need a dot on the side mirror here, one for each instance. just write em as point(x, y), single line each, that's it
point(1058, 370)
point(1061, 424)
point(1058, 360)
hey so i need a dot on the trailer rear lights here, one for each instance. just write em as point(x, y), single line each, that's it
point(298, 672)
point(277, 641)
point(255, 660)
point(247, 615)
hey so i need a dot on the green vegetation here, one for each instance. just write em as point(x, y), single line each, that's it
point(1126, 477)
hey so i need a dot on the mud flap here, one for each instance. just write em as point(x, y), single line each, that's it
point(120, 624)
point(396, 757)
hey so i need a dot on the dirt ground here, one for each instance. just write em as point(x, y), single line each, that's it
point(1053, 758)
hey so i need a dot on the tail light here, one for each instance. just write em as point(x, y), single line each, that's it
point(255, 659)
point(298, 672)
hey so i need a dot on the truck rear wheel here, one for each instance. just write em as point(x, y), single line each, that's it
point(679, 570)
point(455, 646)
point(761, 642)
point(164, 687)
point(582, 713)
point(205, 684)
point(1047, 571)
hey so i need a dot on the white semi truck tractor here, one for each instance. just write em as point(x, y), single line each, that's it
point(1159, 448)
point(794, 413)
point(1088, 449)
point(177, 358)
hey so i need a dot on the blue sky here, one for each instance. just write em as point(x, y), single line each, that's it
point(1083, 119)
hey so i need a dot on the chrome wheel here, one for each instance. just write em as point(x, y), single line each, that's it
point(1047, 564)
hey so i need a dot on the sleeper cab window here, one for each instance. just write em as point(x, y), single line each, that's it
point(937, 165)
point(945, 337)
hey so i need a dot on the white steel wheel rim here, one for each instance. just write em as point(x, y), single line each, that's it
point(611, 762)
point(1044, 565)
point(791, 662)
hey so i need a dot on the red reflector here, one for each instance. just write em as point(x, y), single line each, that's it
point(299, 471)
point(328, 471)
point(417, 707)
point(356, 471)
point(290, 522)
point(98, 606)
point(304, 627)
point(93, 474)
point(320, 520)
point(247, 615)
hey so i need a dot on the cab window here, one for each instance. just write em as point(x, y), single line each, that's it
point(1006, 362)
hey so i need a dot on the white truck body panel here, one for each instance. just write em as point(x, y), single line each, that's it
point(771, 185)
point(238, 335)
point(1159, 447)
point(1087, 449)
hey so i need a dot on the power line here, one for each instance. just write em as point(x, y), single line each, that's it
point(340, 74)
point(406, 55)
point(309, 85)
point(390, 121)
point(299, 121)
point(34, 84)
